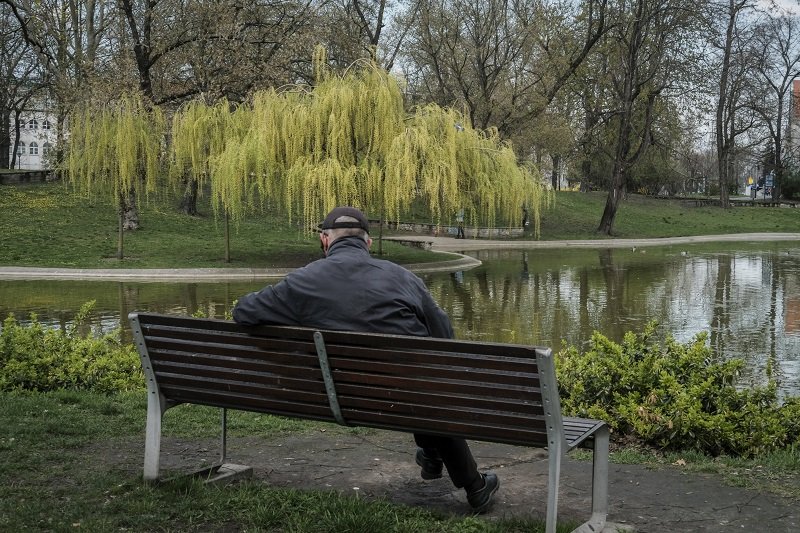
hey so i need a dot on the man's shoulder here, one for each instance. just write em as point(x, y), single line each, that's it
point(389, 266)
point(308, 269)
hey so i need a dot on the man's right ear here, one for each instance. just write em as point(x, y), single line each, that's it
point(324, 242)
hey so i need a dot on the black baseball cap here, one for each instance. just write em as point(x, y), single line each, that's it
point(345, 211)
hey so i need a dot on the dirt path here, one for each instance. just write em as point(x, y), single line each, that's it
point(379, 464)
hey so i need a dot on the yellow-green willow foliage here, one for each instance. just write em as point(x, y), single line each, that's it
point(348, 140)
point(457, 167)
point(116, 147)
point(345, 127)
point(115, 150)
point(201, 135)
point(198, 134)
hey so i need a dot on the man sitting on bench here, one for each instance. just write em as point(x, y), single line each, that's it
point(349, 290)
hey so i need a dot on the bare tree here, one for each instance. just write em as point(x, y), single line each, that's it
point(20, 80)
point(67, 37)
point(777, 53)
point(505, 61)
point(729, 34)
point(651, 41)
point(357, 29)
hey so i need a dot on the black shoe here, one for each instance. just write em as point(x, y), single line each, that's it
point(481, 499)
point(431, 467)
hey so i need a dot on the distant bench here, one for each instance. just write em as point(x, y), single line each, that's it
point(477, 390)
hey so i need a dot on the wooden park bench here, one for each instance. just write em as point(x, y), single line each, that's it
point(481, 391)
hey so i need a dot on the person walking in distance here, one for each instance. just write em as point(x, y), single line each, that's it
point(349, 290)
point(460, 221)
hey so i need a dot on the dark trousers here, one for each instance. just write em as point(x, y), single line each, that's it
point(455, 454)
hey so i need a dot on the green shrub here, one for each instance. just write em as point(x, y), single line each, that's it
point(37, 358)
point(674, 396)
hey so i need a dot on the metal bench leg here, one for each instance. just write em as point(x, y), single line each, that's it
point(554, 460)
point(599, 484)
point(600, 475)
point(152, 441)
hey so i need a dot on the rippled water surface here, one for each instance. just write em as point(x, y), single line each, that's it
point(745, 296)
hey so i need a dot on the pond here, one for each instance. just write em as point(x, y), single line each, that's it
point(746, 296)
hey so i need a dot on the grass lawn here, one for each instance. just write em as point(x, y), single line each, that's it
point(49, 225)
point(576, 216)
point(75, 465)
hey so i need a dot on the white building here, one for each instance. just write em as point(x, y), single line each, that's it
point(37, 140)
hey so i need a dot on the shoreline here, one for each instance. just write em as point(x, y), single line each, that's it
point(450, 245)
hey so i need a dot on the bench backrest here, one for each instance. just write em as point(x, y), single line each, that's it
point(476, 390)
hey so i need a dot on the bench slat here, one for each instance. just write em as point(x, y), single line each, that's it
point(437, 426)
point(362, 339)
point(459, 399)
point(188, 340)
point(250, 402)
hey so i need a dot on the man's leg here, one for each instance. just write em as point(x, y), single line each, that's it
point(455, 454)
point(457, 457)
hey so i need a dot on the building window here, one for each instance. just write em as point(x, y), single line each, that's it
point(34, 149)
point(46, 148)
point(33, 124)
point(21, 148)
point(45, 124)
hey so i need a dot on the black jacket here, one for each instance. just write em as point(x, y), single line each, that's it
point(348, 291)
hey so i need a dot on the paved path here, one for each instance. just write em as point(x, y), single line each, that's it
point(436, 244)
point(449, 244)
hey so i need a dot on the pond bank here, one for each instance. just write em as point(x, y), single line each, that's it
point(435, 244)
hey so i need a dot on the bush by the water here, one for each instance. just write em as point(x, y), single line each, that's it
point(38, 358)
point(658, 391)
point(674, 396)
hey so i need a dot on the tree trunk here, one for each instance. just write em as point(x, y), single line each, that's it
point(610, 211)
point(619, 174)
point(5, 139)
point(121, 226)
point(227, 238)
point(189, 201)
point(15, 151)
point(130, 213)
point(556, 158)
point(724, 173)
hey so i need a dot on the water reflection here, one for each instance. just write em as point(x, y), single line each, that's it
point(746, 299)
point(746, 296)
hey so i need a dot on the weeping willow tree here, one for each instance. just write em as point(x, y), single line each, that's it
point(200, 133)
point(348, 140)
point(114, 151)
point(440, 157)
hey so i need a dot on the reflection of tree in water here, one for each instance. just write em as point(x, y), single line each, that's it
point(543, 300)
point(462, 295)
point(720, 316)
